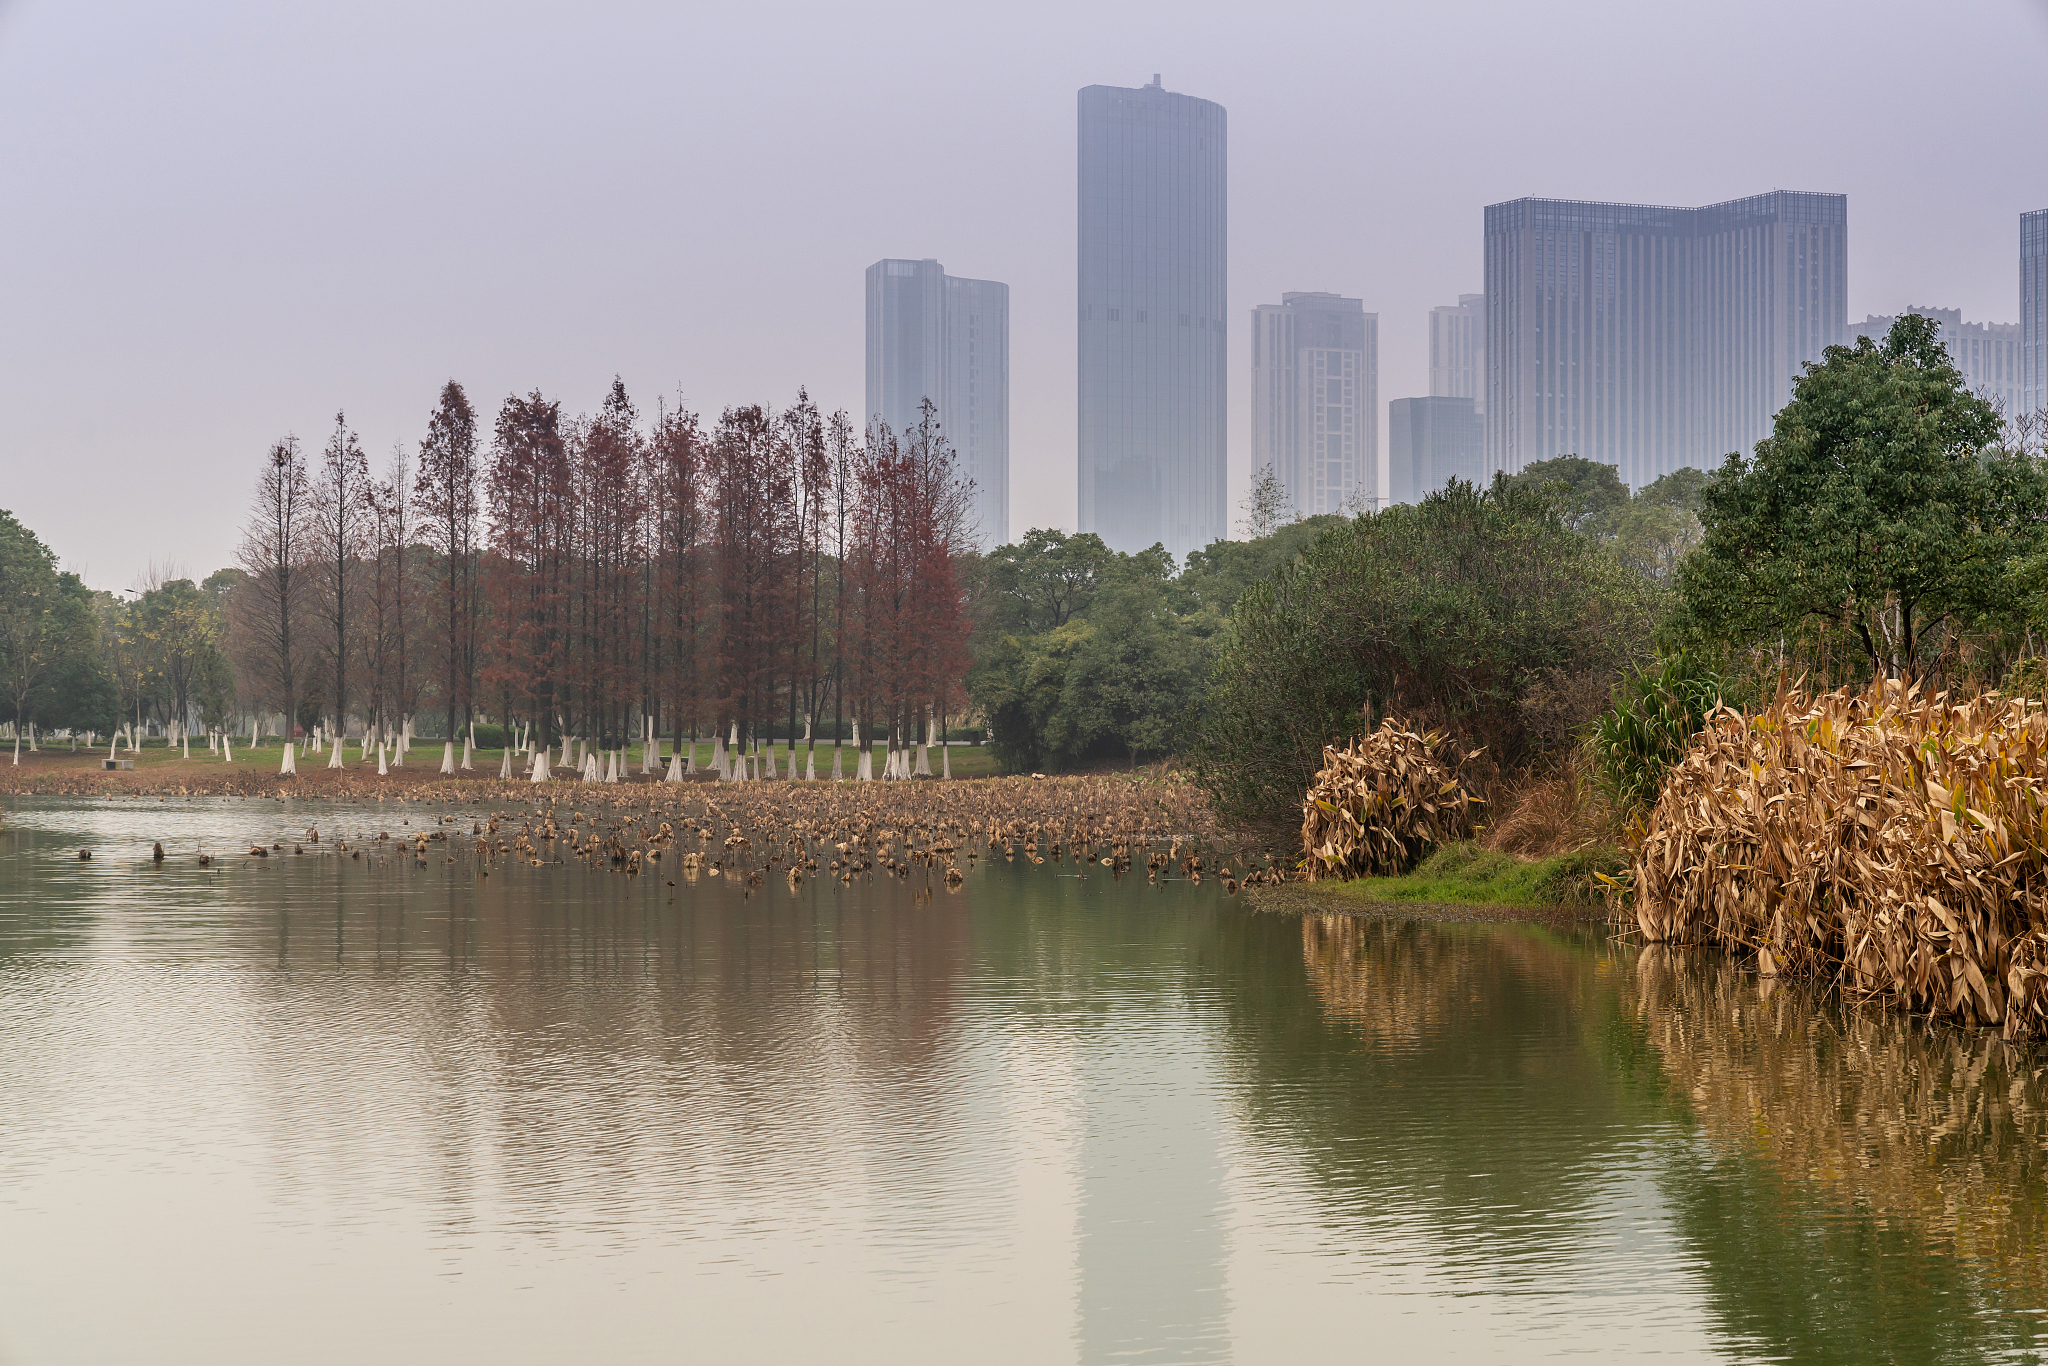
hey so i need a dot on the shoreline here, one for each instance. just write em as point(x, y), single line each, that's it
point(1327, 898)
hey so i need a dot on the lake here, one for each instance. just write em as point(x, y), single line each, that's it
point(318, 1108)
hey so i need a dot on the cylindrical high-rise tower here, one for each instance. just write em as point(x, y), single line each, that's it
point(1153, 180)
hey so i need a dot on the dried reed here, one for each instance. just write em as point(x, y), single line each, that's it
point(1897, 842)
point(1380, 803)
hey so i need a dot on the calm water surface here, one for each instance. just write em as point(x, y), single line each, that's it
point(315, 1109)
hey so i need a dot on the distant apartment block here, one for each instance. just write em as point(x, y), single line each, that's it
point(1653, 338)
point(2034, 311)
point(1988, 354)
point(1457, 350)
point(937, 336)
point(1431, 441)
point(1315, 399)
point(1152, 232)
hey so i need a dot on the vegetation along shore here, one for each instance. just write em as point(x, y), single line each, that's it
point(1791, 707)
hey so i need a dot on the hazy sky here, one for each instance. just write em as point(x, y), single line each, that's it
point(225, 221)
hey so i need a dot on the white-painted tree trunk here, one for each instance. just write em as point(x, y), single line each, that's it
point(291, 763)
point(540, 767)
point(505, 768)
point(382, 770)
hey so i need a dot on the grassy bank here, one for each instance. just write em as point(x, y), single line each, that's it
point(1464, 874)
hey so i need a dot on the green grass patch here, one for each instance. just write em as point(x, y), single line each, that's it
point(1465, 874)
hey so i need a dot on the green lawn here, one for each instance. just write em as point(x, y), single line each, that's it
point(1465, 874)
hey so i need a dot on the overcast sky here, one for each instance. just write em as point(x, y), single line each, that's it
point(225, 221)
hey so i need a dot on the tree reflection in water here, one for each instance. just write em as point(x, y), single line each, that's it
point(1852, 1184)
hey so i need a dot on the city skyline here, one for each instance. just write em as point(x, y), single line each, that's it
point(213, 262)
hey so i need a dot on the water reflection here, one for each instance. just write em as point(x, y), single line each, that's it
point(553, 1114)
point(1865, 1140)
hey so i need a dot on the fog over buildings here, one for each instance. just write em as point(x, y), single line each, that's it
point(2034, 311)
point(231, 220)
point(1432, 441)
point(1457, 350)
point(1315, 401)
point(1652, 338)
point(1988, 354)
point(1153, 274)
point(936, 336)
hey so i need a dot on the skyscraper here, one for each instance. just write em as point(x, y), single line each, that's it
point(934, 335)
point(1654, 338)
point(1988, 354)
point(2034, 311)
point(1315, 398)
point(1431, 441)
point(1457, 350)
point(1151, 240)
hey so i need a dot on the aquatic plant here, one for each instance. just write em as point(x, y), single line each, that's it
point(1894, 841)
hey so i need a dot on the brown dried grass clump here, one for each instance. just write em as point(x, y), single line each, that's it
point(1896, 842)
point(1559, 812)
point(1382, 802)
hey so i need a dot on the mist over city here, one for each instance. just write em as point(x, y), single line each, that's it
point(246, 219)
point(1160, 683)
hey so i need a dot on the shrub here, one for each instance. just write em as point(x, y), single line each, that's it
point(1447, 613)
point(1656, 713)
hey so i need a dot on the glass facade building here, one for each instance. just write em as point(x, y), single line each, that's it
point(2034, 311)
point(1654, 338)
point(1431, 441)
point(1152, 289)
point(937, 336)
point(1315, 399)
point(1457, 350)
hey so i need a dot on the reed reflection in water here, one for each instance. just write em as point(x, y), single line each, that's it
point(319, 1108)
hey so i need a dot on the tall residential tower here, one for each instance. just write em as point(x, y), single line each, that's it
point(1152, 227)
point(934, 335)
point(1316, 399)
point(2034, 311)
point(1457, 350)
point(1654, 338)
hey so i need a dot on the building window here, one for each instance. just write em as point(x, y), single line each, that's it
point(1116, 315)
